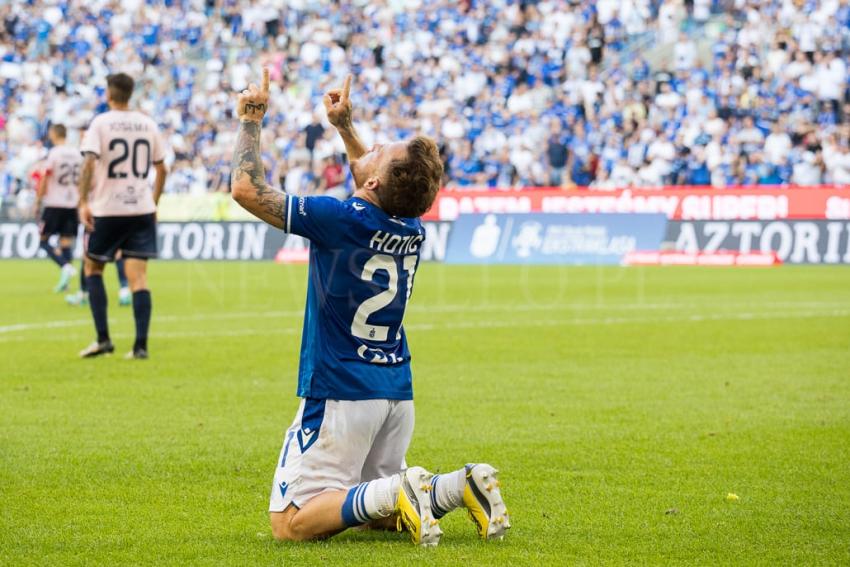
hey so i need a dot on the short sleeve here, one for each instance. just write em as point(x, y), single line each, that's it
point(320, 219)
point(91, 140)
point(158, 151)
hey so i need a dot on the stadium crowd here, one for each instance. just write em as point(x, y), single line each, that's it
point(607, 93)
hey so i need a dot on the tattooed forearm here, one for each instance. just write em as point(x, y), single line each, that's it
point(248, 177)
point(85, 178)
point(246, 157)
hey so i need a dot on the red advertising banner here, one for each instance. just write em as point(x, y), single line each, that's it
point(697, 203)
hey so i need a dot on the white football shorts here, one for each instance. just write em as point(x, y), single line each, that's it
point(336, 444)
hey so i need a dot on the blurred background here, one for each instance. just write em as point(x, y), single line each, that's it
point(617, 93)
point(583, 97)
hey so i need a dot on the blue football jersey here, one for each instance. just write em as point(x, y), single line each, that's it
point(362, 264)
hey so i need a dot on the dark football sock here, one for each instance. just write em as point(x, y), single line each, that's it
point(142, 307)
point(51, 253)
point(83, 287)
point(97, 301)
point(122, 275)
point(67, 254)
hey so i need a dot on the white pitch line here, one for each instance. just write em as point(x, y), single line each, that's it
point(450, 308)
point(42, 325)
point(624, 320)
point(583, 321)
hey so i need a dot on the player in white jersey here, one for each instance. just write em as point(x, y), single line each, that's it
point(118, 206)
point(57, 193)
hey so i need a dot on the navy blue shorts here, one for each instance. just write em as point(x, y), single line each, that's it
point(59, 220)
point(134, 236)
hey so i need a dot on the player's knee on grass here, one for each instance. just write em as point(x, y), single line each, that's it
point(294, 525)
point(286, 526)
point(280, 524)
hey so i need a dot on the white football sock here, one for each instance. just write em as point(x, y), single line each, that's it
point(371, 500)
point(447, 492)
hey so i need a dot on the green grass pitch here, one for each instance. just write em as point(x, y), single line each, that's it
point(622, 406)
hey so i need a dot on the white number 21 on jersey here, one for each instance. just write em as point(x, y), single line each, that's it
point(360, 327)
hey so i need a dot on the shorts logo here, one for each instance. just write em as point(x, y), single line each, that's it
point(306, 437)
point(283, 486)
point(311, 422)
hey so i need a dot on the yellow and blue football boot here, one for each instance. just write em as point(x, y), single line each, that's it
point(413, 507)
point(483, 501)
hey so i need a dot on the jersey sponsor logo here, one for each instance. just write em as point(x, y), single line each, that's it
point(378, 356)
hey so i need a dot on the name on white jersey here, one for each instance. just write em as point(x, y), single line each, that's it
point(128, 127)
point(395, 244)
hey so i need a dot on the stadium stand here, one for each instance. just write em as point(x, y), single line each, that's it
point(613, 93)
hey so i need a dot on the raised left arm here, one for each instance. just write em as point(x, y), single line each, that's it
point(338, 106)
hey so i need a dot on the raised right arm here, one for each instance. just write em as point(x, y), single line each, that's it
point(248, 185)
point(248, 178)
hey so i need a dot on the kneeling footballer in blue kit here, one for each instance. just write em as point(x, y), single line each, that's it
point(342, 463)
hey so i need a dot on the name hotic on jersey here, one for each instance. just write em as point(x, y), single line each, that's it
point(362, 268)
point(126, 143)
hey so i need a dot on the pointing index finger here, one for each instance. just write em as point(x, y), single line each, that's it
point(346, 88)
point(265, 79)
